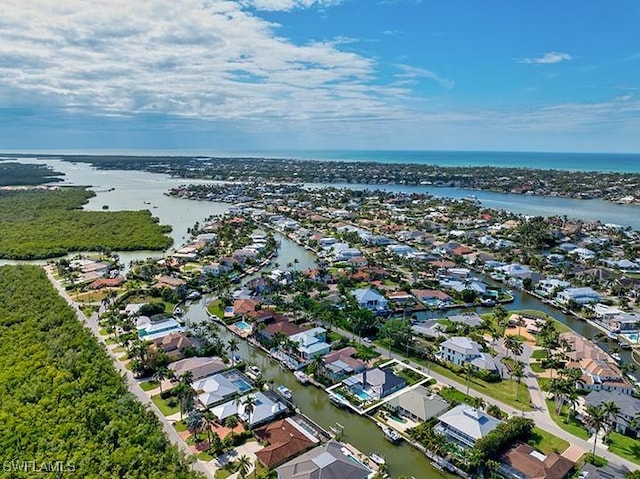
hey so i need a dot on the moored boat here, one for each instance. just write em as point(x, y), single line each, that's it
point(377, 458)
point(301, 377)
point(390, 434)
point(285, 391)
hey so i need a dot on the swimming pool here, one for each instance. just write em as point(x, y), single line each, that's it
point(243, 325)
point(241, 384)
point(362, 395)
point(633, 337)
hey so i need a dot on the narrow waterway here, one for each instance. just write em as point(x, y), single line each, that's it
point(360, 431)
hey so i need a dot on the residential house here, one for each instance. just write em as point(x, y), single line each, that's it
point(516, 271)
point(215, 389)
point(375, 383)
point(174, 345)
point(470, 319)
point(433, 298)
point(629, 409)
point(401, 298)
point(332, 460)
point(418, 404)
point(599, 375)
point(341, 363)
point(370, 299)
point(149, 330)
point(464, 425)
point(550, 286)
point(459, 350)
point(107, 283)
point(429, 329)
point(310, 343)
point(582, 348)
point(285, 439)
point(245, 306)
point(267, 407)
point(275, 323)
point(169, 282)
point(200, 367)
point(524, 462)
point(581, 296)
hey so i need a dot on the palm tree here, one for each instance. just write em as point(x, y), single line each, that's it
point(597, 418)
point(209, 421)
point(160, 375)
point(249, 404)
point(611, 410)
point(232, 347)
point(492, 467)
point(194, 422)
point(316, 366)
point(244, 464)
point(518, 373)
point(514, 344)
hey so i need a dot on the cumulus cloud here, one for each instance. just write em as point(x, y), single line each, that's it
point(212, 59)
point(286, 5)
point(548, 58)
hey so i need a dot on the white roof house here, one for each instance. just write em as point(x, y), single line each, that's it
point(264, 409)
point(516, 271)
point(369, 299)
point(579, 295)
point(460, 349)
point(465, 425)
point(148, 330)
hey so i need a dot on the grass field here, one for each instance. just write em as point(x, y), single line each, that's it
point(624, 446)
point(546, 442)
point(572, 426)
point(163, 406)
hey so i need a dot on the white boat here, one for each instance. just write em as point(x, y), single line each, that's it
point(301, 377)
point(285, 391)
point(616, 357)
point(377, 458)
point(390, 434)
point(253, 371)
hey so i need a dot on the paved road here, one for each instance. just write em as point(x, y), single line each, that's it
point(132, 384)
point(540, 414)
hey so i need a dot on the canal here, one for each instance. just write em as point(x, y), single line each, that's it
point(363, 433)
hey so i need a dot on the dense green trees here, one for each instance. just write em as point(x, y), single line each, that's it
point(61, 399)
point(46, 223)
point(507, 433)
point(26, 174)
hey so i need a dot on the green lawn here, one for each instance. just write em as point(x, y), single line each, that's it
point(163, 406)
point(452, 395)
point(624, 446)
point(180, 426)
point(537, 368)
point(572, 426)
point(504, 391)
point(562, 328)
point(149, 385)
point(546, 442)
point(205, 456)
point(215, 308)
point(539, 354)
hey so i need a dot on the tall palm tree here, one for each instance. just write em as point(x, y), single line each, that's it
point(611, 410)
point(518, 373)
point(597, 418)
point(249, 404)
point(160, 375)
point(232, 347)
point(194, 422)
point(514, 344)
point(209, 420)
point(244, 464)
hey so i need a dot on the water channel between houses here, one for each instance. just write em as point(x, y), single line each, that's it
point(140, 190)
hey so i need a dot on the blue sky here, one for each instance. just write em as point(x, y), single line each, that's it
point(224, 75)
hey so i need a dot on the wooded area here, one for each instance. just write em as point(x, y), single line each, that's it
point(26, 174)
point(60, 397)
point(48, 223)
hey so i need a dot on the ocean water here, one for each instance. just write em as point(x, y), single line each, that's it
point(603, 162)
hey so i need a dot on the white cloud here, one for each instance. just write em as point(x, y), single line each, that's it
point(411, 72)
point(548, 58)
point(211, 59)
point(286, 5)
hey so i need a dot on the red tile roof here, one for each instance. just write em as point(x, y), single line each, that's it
point(285, 441)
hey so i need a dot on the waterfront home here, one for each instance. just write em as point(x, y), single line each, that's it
point(629, 409)
point(174, 345)
point(370, 299)
point(417, 404)
point(345, 254)
point(464, 425)
point(220, 387)
point(624, 265)
point(514, 270)
point(149, 330)
point(625, 323)
point(433, 298)
point(309, 344)
point(357, 262)
point(266, 408)
point(581, 296)
point(399, 249)
point(341, 363)
point(524, 462)
point(401, 298)
point(331, 460)
point(374, 383)
point(170, 282)
point(584, 254)
point(107, 283)
point(215, 269)
point(284, 439)
point(599, 375)
point(242, 307)
point(275, 323)
point(550, 286)
point(459, 350)
point(200, 367)
point(582, 348)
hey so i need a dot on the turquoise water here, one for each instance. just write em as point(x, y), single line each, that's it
point(242, 385)
point(243, 325)
point(609, 162)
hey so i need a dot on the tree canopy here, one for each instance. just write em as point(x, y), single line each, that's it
point(60, 397)
point(39, 223)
